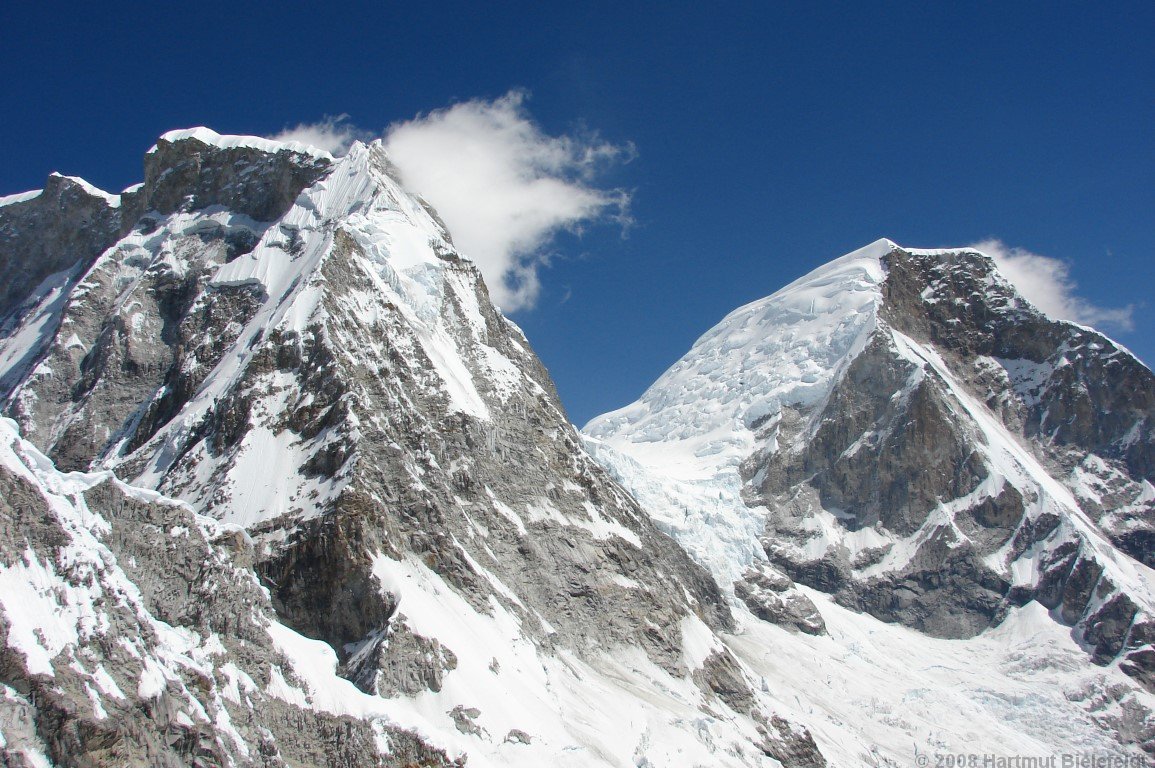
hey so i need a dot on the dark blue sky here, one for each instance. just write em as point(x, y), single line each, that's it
point(770, 137)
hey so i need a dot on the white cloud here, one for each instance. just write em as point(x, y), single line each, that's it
point(1047, 283)
point(333, 134)
point(503, 186)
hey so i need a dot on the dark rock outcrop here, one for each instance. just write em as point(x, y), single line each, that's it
point(61, 230)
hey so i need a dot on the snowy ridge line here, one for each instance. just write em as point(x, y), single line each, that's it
point(20, 197)
point(401, 243)
point(214, 139)
point(64, 496)
point(112, 200)
point(669, 435)
point(831, 304)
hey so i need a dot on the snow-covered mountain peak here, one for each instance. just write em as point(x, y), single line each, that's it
point(905, 417)
point(371, 535)
point(290, 345)
point(57, 183)
point(209, 137)
point(783, 349)
point(788, 348)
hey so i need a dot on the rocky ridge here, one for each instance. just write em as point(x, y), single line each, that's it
point(289, 345)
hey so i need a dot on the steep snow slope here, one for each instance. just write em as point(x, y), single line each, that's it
point(694, 427)
point(899, 431)
point(289, 344)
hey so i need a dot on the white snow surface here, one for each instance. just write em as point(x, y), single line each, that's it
point(784, 349)
point(876, 694)
point(54, 607)
point(868, 692)
point(214, 139)
point(20, 197)
point(677, 449)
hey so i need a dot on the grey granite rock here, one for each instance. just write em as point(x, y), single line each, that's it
point(892, 446)
point(119, 696)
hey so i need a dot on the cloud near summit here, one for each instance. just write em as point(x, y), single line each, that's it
point(503, 186)
point(333, 134)
point(1047, 283)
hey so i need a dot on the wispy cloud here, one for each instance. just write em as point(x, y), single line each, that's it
point(1046, 282)
point(332, 134)
point(504, 187)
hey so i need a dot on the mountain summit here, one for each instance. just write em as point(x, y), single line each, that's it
point(300, 439)
point(900, 433)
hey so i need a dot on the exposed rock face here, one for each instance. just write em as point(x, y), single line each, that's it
point(62, 229)
point(135, 324)
point(928, 419)
point(773, 597)
point(1084, 404)
point(195, 170)
point(290, 344)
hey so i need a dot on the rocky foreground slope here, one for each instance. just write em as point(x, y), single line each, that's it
point(295, 493)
